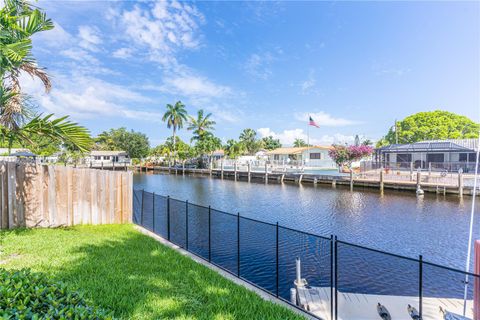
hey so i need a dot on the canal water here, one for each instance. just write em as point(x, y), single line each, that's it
point(435, 226)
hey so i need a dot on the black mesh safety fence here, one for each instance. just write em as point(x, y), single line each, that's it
point(198, 230)
point(371, 277)
point(343, 280)
point(258, 253)
point(315, 257)
point(178, 222)
point(444, 290)
point(160, 215)
point(224, 240)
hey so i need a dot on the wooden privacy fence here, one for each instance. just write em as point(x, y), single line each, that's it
point(48, 196)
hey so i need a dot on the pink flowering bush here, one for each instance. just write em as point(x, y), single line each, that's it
point(345, 155)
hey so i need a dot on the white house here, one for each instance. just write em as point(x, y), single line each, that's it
point(314, 156)
point(98, 157)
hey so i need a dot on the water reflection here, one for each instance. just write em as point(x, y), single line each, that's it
point(435, 226)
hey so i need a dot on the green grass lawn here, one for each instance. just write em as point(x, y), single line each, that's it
point(122, 270)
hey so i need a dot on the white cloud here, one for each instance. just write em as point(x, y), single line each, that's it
point(192, 86)
point(88, 97)
point(287, 137)
point(80, 55)
point(163, 28)
point(258, 65)
point(55, 38)
point(123, 53)
point(89, 38)
point(324, 119)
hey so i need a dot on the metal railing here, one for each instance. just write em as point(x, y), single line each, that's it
point(263, 254)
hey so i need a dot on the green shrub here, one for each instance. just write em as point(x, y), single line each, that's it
point(28, 295)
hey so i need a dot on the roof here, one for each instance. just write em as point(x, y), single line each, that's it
point(107, 153)
point(218, 152)
point(448, 145)
point(23, 154)
point(296, 150)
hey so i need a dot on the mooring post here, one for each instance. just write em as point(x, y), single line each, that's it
point(351, 179)
point(300, 179)
point(411, 170)
point(282, 177)
point(460, 182)
point(266, 172)
point(221, 174)
point(183, 167)
point(235, 171)
point(419, 178)
point(249, 168)
point(334, 183)
point(429, 169)
point(211, 168)
point(381, 180)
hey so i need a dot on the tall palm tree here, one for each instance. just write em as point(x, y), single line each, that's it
point(175, 116)
point(201, 125)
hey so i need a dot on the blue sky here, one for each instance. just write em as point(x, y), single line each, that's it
point(354, 66)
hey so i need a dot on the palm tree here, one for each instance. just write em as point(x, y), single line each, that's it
point(201, 125)
point(19, 22)
point(175, 116)
point(299, 143)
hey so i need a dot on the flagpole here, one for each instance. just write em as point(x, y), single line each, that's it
point(308, 133)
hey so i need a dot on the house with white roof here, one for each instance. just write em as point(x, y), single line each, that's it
point(313, 156)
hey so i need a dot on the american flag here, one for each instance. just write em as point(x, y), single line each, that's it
point(312, 123)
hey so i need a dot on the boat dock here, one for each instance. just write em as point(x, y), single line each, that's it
point(378, 179)
point(358, 306)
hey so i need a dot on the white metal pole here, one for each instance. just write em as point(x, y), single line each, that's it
point(470, 235)
point(299, 272)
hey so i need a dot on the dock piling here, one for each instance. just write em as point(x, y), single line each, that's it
point(460, 182)
point(235, 171)
point(266, 172)
point(249, 171)
point(381, 180)
point(221, 174)
point(351, 179)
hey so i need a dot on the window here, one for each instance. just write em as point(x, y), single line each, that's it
point(115, 158)
point(315, 156)
point(463, 157)
point(472, 157)
point(276, 157)
point(97, 157)
point(404, 157)
point(106, 157)
point(435, 157)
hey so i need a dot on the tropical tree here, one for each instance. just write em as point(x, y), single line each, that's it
point(249, 138)
point(431, 125)
point(19, 21)
point(200, 125)
point(299, 143)
point(234, 148)
point(270, 143)
point(136, 144)
point(175, 116)
point(207, 145)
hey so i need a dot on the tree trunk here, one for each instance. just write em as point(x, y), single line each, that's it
point(174, 146)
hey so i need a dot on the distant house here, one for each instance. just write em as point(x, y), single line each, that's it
point(315, 156)
point(107, 157)
point(451, 153)
point(218, 154)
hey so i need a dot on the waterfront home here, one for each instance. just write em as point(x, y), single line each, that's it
point(218, 154)
point(450, 154)
point(107, 157)
point(314, 156)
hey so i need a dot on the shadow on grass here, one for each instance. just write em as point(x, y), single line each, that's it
point(138, 278)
